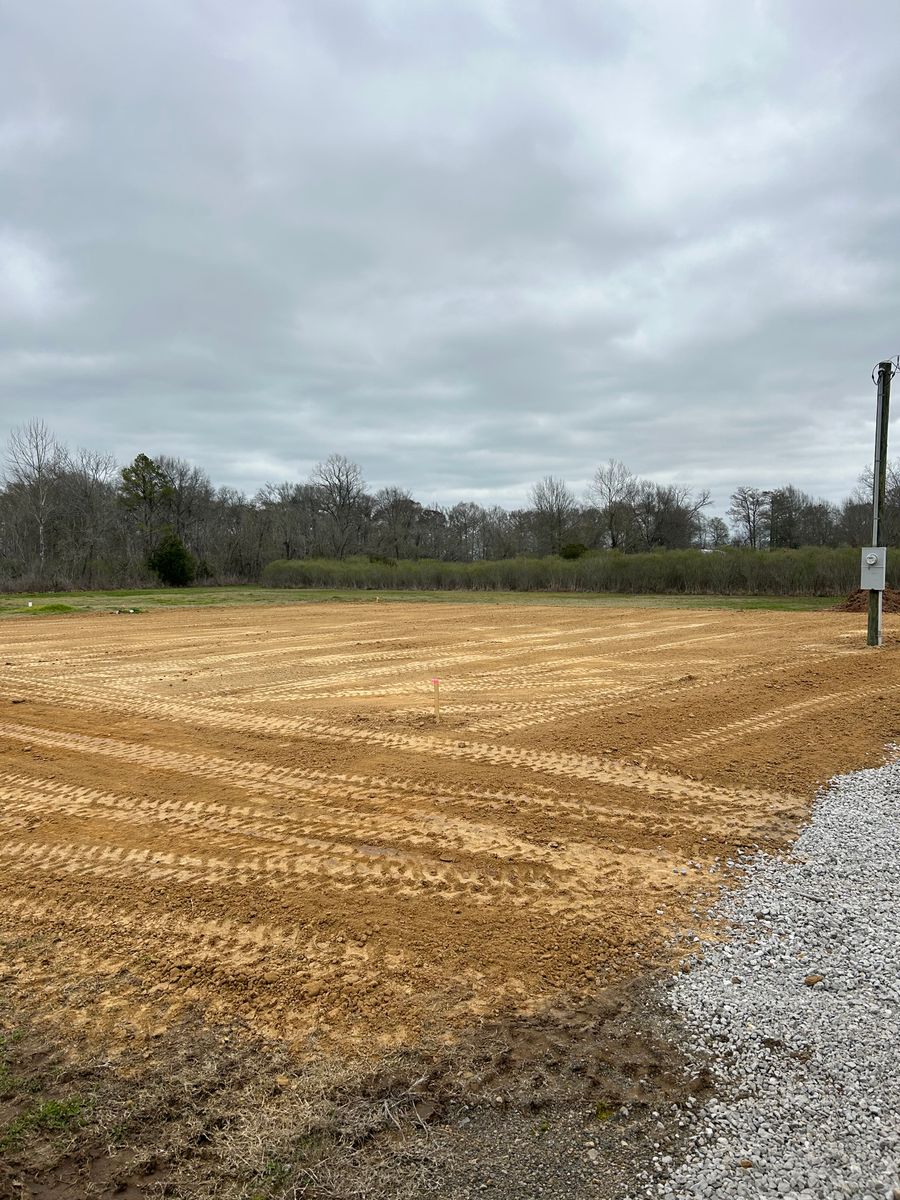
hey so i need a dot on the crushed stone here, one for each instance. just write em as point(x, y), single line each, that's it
point(797, 1015)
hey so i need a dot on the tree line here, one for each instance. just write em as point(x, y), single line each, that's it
point(76, 518)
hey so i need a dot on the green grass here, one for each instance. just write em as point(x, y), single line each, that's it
point(53, 1116)
point(8, 1082)
point(145, 599)
point(44, 610)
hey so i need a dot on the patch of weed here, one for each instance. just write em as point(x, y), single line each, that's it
point(271, 1181)
point(15, 1085)
point(117, 1135)
point(53, 1116)
point(311, 1146)
point(276, 1173)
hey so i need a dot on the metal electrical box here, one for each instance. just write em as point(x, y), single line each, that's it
point(873, 569)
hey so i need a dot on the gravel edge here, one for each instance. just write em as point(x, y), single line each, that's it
point(797, 1015)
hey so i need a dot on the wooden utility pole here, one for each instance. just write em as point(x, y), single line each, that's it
point(879, 485)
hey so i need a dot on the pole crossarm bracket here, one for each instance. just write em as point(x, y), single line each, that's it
point(894, 363)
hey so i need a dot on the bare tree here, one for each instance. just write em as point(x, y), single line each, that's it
point(431, 536)
point(464, 531)
point(554, 508)
point(395, 522)
point(613, 491)
point(861, 500)
point(35, 459)
point(342, 501)
point(89, 505)
point(294, 517)
point(501, 533)
point(190, 493)
point(820, 524)
point(715, 533)
point(238, 531)
point(668, 516)
point(747, 513)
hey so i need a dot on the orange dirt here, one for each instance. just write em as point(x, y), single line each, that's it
point(251, 812)
point(858, 601)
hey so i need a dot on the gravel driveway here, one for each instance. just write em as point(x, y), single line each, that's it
point(799, 1015)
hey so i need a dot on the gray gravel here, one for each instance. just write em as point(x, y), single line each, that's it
point(808, 1072)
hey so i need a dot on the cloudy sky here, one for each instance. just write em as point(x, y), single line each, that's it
point(464, 242)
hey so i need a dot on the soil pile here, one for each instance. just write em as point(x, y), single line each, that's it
point(858, 601)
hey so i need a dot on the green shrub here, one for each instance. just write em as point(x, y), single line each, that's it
point(735, 571)
point(172, 562)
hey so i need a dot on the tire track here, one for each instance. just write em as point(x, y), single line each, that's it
point(390, 876)
point(427, 836)
point(564, 899)
point(556, 764)
point(774, 718)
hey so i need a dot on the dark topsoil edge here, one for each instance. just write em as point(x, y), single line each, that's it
point(858, 601)
point(574, 1101)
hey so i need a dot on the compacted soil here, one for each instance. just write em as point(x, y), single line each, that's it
point(252, 818)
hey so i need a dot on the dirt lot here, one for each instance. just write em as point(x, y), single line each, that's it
point(251, 814)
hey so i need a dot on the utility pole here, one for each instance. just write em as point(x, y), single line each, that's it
point(874, 558)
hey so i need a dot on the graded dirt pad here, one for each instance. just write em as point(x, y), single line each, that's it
point(252, 814)
point(249, 820)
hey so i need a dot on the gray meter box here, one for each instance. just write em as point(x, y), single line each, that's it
point(873, 569)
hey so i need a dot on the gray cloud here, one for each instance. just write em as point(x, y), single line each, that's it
point(465, 244)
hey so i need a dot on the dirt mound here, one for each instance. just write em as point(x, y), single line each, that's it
point(858, 601)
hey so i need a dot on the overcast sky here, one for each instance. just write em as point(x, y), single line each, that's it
point(464, 242)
